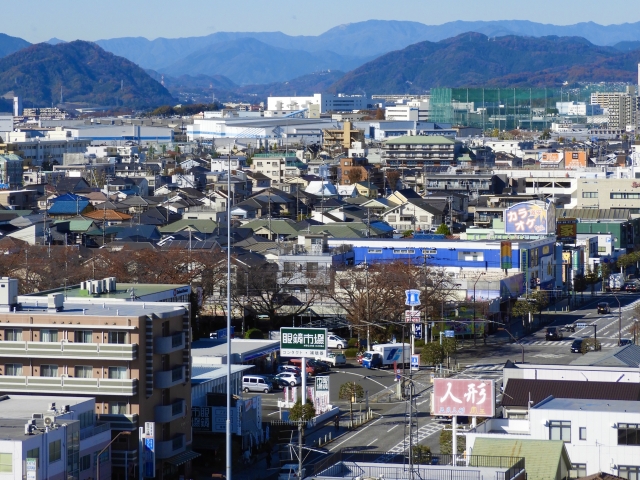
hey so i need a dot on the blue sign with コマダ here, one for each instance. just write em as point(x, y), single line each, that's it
point(413, 298)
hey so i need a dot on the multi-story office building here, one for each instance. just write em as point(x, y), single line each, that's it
point(621, 107)
point(133, 357)
point(53, 438)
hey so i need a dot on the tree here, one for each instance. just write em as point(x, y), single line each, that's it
point(432, 353)
point(589, 344)
point(446, 446)
point(379, 114)
point(301, 412)
point(421, 455)
point(523, 308)
point(393, 176)
point(449, 347)
point(443, 229)
point(546, 134)
point(580, 284)
point(541, 301)
point(355, 175)
point(254, 334)
point(352, 392)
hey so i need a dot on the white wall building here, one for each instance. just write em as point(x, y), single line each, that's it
point(327, 102)
point(571, 108)
point(417, 111)
point(600, 435)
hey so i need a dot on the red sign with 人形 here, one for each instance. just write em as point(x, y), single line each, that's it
point(473, 398)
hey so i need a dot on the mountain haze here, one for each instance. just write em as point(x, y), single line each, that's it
point(9, 45)
point(473, 59)
point(85, 72)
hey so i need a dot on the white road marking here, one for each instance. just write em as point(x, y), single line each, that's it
point(356, 433)
point(372, 441)
point(392, 428)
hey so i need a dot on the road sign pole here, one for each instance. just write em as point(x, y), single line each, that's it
point(454, 437)
point(303, 364)
point(413, 344)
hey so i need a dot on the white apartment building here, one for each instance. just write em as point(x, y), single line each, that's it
point(619, 106)
point(571, 108)
point(599, 435)
point(51, 147)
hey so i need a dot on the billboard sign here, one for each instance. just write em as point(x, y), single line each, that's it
point(201, 419)
point(533, 218)
point(415, 362)
point(469, 397)
point(506, 255)
point(567, 230)
point(303, 342)
point(417, 330)
point(149, 450)
point(413, 298)
point(32, 468)
point(412, 316)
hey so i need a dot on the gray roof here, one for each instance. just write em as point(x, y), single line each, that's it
point(594, 213)
point(627, 356)
point(589, 405)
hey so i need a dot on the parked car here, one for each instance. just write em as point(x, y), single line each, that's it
point(319, 366)
point(553, 333)
point(310, 369)
point(334, 341)
point(288, 368)
point(625, 341)
point(290, 378)
point(631, 286)
point(603, 307)
point(256, 383)
point(276, 382)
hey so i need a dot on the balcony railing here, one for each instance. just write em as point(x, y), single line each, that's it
point(90, 432)
point(101, 351)
point(69, 385)
point(168, 413)
point(169, 448)
point(169, 378)
point(120, 422)
point(169, 344)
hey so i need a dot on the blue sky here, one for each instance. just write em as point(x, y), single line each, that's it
point(40, 20)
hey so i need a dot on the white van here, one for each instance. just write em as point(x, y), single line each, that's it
point(256, 383)
point(334, 341)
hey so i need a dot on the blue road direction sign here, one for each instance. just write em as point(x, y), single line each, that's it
point(417, 330)
point(413, 298)
point(581, 324)
point(222, 333)
point(449, 334)
point(415, 362)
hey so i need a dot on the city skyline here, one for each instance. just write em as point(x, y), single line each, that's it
point(71, 19)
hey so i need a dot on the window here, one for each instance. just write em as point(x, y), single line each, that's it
point(471, 256)
point(403, 251)
point(583, 433)
point(117, 337)
point(13, 334)
point(288, 268)
point(83, 336)
point(629, 472)
point(84, 371)
point(312, 269)
point(429, 251)
point(118, 408)
point(13, 369)
point(48, 335)
point(559, 430)
point(6, 463)
point(103, 457)
point(578, 470)
point(55, 451)
point(624, 196)
point(34, 453)
point(85, 463)
point(628, 434)
point(86, 419)
point(48, 370)
point(589, 194)
point(118, 372)
point(374, 250)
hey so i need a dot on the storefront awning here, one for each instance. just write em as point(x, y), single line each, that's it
point(183, 457)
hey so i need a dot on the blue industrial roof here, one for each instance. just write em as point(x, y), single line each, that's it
point(68, 207)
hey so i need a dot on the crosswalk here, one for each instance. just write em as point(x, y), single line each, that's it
point(485, 368)
point(401, 447)
point(561, 343)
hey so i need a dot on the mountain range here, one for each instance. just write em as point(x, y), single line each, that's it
point(473, 59)
point(84, 72)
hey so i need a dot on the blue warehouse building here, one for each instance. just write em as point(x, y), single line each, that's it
point(539, 261)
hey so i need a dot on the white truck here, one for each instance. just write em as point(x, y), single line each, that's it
point(616, 281)
point(384, 354)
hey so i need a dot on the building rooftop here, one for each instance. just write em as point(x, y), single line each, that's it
point(202, 350)
point(208, 373)
point(123, 291)
point(421, 140)
point(101, 308)
point(24, 406)
point(589, 405)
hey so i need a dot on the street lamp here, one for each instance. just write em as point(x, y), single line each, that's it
point(104, 449)
point(474, 306)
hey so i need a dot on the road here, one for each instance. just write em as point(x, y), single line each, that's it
point(389, 431)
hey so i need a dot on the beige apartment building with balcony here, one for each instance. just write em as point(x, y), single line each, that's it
point(133, 357)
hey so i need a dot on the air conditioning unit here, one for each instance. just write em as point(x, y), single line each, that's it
point(49, 420)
